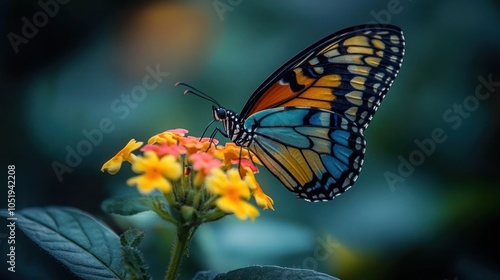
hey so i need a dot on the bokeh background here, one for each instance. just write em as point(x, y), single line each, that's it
point(438, 219)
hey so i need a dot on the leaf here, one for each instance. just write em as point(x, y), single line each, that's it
point(127, 205)
point(88, 248)
point(264, 272)
point(134, 264)
point(132, 237)
point(132, 258)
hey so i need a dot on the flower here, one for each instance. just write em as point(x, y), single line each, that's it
point(165, 149)
point(203, 163)
point(155, 171)
point(245, 164)
point(201, 182)
point(171, 136)
point(233, 154)
point(232, 192)
point(113, 165)
point(195, 144)
point(261, 198)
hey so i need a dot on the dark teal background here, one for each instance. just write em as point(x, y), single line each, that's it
point(424, 207)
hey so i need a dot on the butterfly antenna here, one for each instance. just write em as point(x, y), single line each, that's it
point(198, 93)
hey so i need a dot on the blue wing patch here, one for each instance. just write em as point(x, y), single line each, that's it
point(316, 153)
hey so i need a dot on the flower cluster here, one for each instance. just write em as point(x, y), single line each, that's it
point(195, 174)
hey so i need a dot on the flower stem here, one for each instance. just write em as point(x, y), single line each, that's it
point(181, 243)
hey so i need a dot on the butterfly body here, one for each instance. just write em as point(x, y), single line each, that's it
point(233, 126)
point(305, 123)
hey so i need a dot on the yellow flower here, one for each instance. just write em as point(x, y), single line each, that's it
point(232, 192)
point(171, 136)
point(195, 144)
point(114, 164)
point(233, 154)
point(262, 199)
point(156, 172)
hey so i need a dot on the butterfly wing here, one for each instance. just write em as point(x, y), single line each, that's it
point(314, 152)
point(348, 72)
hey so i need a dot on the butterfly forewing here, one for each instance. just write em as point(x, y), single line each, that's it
point(348, 73)
point(316, 153)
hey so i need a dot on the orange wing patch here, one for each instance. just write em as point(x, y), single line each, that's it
point(357, 41)
point(274, 95)
point(279, 93)
point(329, 81)
point(308, 103)
point(302, 79)
point(314, 93)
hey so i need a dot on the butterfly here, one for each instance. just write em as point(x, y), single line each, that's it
point(305, 123)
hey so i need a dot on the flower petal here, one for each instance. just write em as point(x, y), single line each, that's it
point(114, 164)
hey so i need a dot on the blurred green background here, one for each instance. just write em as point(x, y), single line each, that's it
point(438, 219)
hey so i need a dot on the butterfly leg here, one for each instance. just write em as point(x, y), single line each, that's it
point(212, 136)
point(206, 128)
point(218, 130)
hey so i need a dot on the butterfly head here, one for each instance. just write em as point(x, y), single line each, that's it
point(220, 113)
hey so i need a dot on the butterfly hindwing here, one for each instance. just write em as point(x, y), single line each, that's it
point(315, 153)
point(348, 73)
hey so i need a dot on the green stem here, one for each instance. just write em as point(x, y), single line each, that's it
point(181, 243)
point(214, 216)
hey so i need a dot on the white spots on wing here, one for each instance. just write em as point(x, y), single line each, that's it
point(347, 182)
point(351, 113)
point(371, 100)
point(358, 82)
point(394, 39)
point(355, 163)
point(332, 53)
point(355, 97)
point(319, 70)
point(358, 70)
point(380, 76)
point(314, 61)
point(359, 143)
point(344, 124)
point(364, 115)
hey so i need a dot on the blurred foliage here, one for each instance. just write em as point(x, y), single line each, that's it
point(83, 65)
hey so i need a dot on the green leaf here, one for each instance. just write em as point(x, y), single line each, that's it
point(132, 237)
point(134, 264)
point(264, 272)
point(88, 248)
point(127, 205)
point(132, 258)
